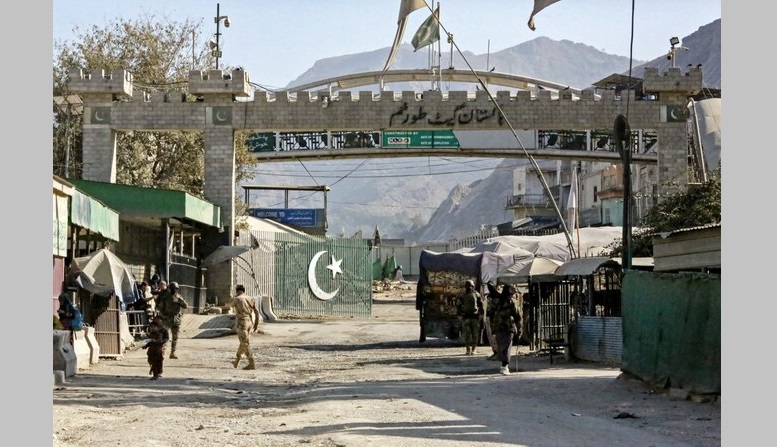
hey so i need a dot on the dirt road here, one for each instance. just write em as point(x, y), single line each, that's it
point(367, 382)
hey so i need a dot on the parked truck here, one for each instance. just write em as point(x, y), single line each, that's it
point(440, 282)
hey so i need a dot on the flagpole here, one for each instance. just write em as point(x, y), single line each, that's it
point(577, 208)
point(439, 54)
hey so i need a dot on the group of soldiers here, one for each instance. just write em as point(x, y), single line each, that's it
point(164, 300)
point(164, 307)
point(500, 314)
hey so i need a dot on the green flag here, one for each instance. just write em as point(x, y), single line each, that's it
point(428, 33)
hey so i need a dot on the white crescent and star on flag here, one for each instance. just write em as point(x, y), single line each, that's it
point(334, 267)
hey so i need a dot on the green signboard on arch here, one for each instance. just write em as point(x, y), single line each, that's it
point(419, 139)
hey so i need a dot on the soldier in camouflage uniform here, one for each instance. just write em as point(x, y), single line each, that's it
point(470, 310)
point(506, 318)
point(170, 307)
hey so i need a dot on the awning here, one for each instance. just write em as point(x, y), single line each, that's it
point(135, 202)
point(93, 215)
point(585, 266)
point(80, 209)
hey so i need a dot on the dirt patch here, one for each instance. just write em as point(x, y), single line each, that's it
point(367, 382)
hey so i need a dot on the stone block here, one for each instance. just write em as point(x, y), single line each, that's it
point(678, 394)
point(64, 355)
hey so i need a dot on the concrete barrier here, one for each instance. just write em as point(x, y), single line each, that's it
point(127, 340)
point(82, 351)
point(266, 309)
point(64, 355)
point(94, 347)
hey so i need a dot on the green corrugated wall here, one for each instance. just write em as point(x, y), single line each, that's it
point(671, 329)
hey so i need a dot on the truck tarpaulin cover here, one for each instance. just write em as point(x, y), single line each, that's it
point(440, 282)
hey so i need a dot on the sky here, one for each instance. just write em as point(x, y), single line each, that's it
point(275, 41)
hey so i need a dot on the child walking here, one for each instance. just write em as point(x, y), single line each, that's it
point(158, 338)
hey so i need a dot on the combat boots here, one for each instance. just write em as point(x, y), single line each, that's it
point(235, 362)
point(250, 364)
point(469, 351)
point(172, 354)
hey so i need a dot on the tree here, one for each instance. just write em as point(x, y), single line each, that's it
point(159, 54)
point(698, 204)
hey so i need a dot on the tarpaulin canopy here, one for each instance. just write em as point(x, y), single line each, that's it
point(224, 253)
point(465, 263)
point(523, 272)
point(498, 257)
point(586, 242)
point(102, 272)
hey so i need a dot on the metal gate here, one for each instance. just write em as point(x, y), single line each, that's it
point(308, 275)
point(107, 329)
point(554, 313)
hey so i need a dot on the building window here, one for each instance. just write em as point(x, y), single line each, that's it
point(595, 197)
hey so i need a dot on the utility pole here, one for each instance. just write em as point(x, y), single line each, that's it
point(622, 134)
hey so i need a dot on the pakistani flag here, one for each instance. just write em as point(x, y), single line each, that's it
point(539, 5)
point(428, 33)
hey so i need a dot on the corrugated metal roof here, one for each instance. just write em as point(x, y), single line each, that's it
point(684, 230)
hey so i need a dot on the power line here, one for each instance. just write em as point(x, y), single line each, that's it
point(382, 170)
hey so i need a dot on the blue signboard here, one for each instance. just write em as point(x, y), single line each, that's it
point(298, 217)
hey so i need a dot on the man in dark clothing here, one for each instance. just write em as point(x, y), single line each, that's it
point(491, 301)
point(158, 338)
point(170, 307)
point(506, 318)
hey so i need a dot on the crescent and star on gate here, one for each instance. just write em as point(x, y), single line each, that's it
point(334, 266)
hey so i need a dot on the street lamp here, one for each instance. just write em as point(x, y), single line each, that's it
point(216, 49)
point(674, 42)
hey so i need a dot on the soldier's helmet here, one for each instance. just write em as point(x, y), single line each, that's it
point(469, 283)
point(173, 285)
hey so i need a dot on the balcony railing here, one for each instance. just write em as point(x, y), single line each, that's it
point(528, 200)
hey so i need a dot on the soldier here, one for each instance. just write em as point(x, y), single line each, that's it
point(170, 307)
point(470, 310)
point(506, 318)
point(491, 301)
point(245, 310)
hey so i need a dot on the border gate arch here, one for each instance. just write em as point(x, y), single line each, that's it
point(224, 106)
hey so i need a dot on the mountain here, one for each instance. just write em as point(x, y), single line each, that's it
point(564, 62)
point(462, 212)
point(411, 198)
